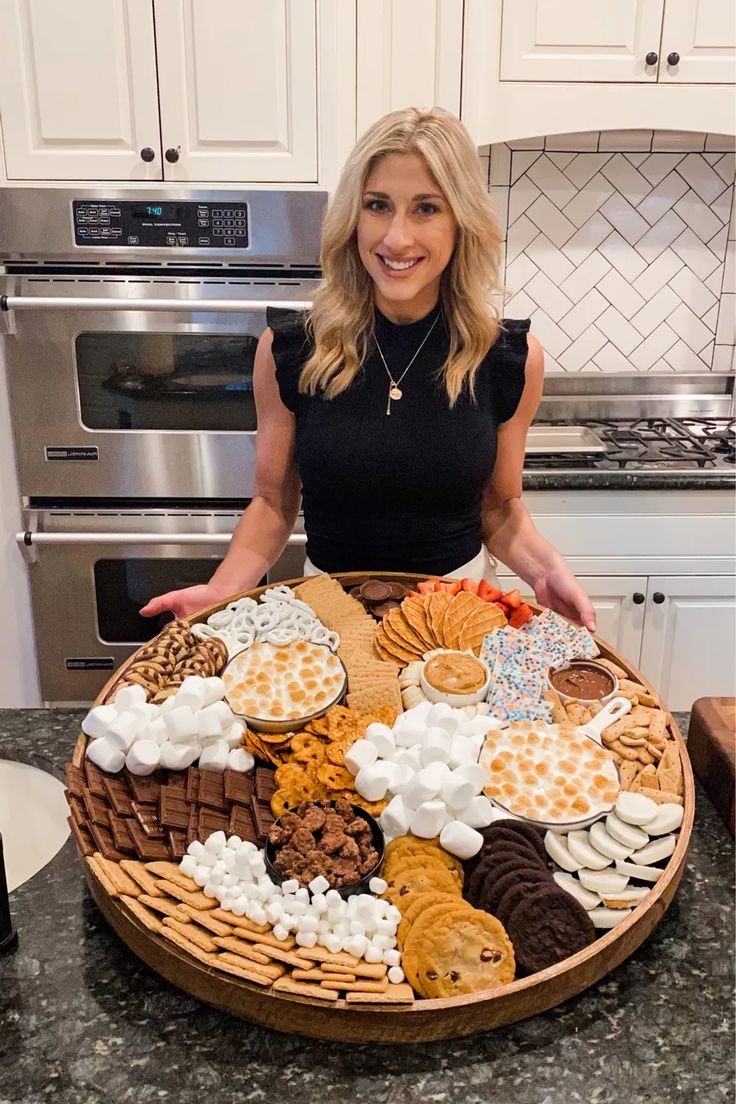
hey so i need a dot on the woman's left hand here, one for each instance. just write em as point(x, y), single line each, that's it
point(561, 592)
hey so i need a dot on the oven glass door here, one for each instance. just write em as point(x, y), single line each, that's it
point(201, 382)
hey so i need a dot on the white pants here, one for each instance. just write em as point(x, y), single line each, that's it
point(482, 566)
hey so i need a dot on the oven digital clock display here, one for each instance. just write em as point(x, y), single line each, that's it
point(156, 225)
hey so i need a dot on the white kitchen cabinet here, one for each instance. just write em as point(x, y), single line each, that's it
point(703, 36)
point(580, 40)
point(238, 89)
point(78, 97)
point(689, 641)
point(409, 54)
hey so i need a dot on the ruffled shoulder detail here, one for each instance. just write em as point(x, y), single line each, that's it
point(291, 347)
point(508, 361)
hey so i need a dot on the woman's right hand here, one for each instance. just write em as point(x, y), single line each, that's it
point(182, 603)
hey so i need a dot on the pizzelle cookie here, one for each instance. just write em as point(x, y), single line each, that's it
point(452, 951)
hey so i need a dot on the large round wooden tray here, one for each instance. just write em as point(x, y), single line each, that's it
point(425, 1020)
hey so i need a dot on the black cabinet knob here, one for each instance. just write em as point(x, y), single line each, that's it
point(172, 156)
point(638, 598)
point(652, 58)
point(673, 58)
point(147, 154)
point(658, 597)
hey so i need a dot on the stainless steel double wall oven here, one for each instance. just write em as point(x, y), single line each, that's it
point(129, 321)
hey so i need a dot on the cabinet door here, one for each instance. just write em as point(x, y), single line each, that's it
point(409, 55)
point(704, 37)
point(688, 648)
point(238, 88)
point(580, 40)
point(619, 619)
point(78, 96)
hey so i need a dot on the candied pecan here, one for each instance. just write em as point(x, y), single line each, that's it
point(276, 836)
point(303, 840)
point(344, 809)
point(349, 849)
point(289, 822)
point(313, 819)
point(368, 862)
point(344, 871)
point(333, 841)
point(358, 827)
point(333, 823)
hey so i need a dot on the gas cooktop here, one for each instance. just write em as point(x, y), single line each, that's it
point(648, 444)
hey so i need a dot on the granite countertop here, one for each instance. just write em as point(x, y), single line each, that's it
point(84, 1022)
point(629, 479)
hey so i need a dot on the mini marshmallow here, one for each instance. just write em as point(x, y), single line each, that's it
point(98, 721)
point(290, 886)
point(449, 724)
point(143, 757)
point(361, 754)
point(457, 791)
point(461, 840)
point(435, 747)
point(395, 975)
point(215, 843)
point(214, 757)
point(356, 945)
point(129, 695)
point(396, 817)
point(332, 897)
point(122, 731)
point(319, 884)
point(182, 724)
point(428, 819)
point(392, 957)
point(240, 760)
point(373, 954)
point(105, 755)
point(308, 924)
point(371, 781)
point(306, 939)
point(385, 942)
point(333, 944)
point(197, 850)
point(377, 886)
point(382, 738)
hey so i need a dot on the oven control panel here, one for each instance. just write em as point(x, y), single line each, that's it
point(160, 224)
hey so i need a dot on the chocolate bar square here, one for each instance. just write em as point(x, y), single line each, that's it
point(173, 810)
point(210, 820)
point(121, 834)
point(104, 842)
point(147, 817)
point(192, 783)
point(95, 779)
point(263, 818)
point(265, 783)
point(212, 790)
point(82, 836)
point(241, 824)
point(238, 786)
point(96, 809)
point(119, 795)
point(75, 780)
point(177, 843)
point(147, 848)
point(145, 788)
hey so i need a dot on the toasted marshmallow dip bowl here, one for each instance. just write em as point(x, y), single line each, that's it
point(454, 677)
point(280, 687)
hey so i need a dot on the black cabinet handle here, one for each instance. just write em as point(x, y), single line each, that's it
point(172, 156)
point(638, 598)
point(652, 58)
point(658, 597)
point(673, 58)
point(147, 154)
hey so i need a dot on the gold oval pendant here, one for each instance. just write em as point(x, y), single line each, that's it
point(396, 393)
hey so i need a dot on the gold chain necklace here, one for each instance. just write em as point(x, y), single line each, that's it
point(394, 391)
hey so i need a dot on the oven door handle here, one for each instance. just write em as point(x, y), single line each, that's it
point(181, 306)
point(29, 541)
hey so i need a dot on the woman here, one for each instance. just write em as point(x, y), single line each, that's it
point(398, 411)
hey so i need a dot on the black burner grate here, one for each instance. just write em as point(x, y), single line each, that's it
point(676, 443)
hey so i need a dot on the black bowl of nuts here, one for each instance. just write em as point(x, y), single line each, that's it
point(334, 839)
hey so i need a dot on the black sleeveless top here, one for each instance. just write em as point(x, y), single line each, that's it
point(400, 492)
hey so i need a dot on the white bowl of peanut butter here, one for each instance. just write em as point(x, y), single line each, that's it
point(457, 678)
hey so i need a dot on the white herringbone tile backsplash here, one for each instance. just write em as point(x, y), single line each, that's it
point(620, 247)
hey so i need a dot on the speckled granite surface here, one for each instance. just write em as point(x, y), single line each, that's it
point(628, 479)
point(82, 1022)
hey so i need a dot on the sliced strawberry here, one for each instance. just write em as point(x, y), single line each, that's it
point(455, 586)
point(427, 586)
point(487, 592)
point(513, 599)
point(520, 616)
point(469, 585)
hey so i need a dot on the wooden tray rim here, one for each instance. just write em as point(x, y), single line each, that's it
point(630, 933)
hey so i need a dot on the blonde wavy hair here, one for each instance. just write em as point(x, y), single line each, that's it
point(342, 315)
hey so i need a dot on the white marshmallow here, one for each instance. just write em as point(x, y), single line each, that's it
point(122, 731)
point(436, 712)
point(395, 975)
point(377, 886)
point(463, 749)
point(381, 736)
point(129, 695)
point(177, 756)
point(396, 817)
point(167, 705)
point(371, 781)
point(155, 730)
point(361, 754)
point(419, 789)
point(192, 697)
point(209, 725)
point(449, 724)
point(457, 792)
point(240, 760)
point(98, 721)
point(143, 757)
point(478, 813)
point(392, 957)
point(428, 819)
point(182, 724)
point(214, 757)
point(215, 689)
point(319, 884)
point(234, 734)
point(356, 945)
point(461, 840)
point(373, 954)
point(332, 897)
point(475, 774)
point(290, 886)
point(105, 755)
point(408, 734)
point(435, 747)
point(409, 758)
point(333, 944)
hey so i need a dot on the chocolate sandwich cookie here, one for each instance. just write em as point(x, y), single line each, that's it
point(546, 927)
point(526, 877)
point(500, 828)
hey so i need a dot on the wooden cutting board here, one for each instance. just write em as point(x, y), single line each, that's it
point(711, 744)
